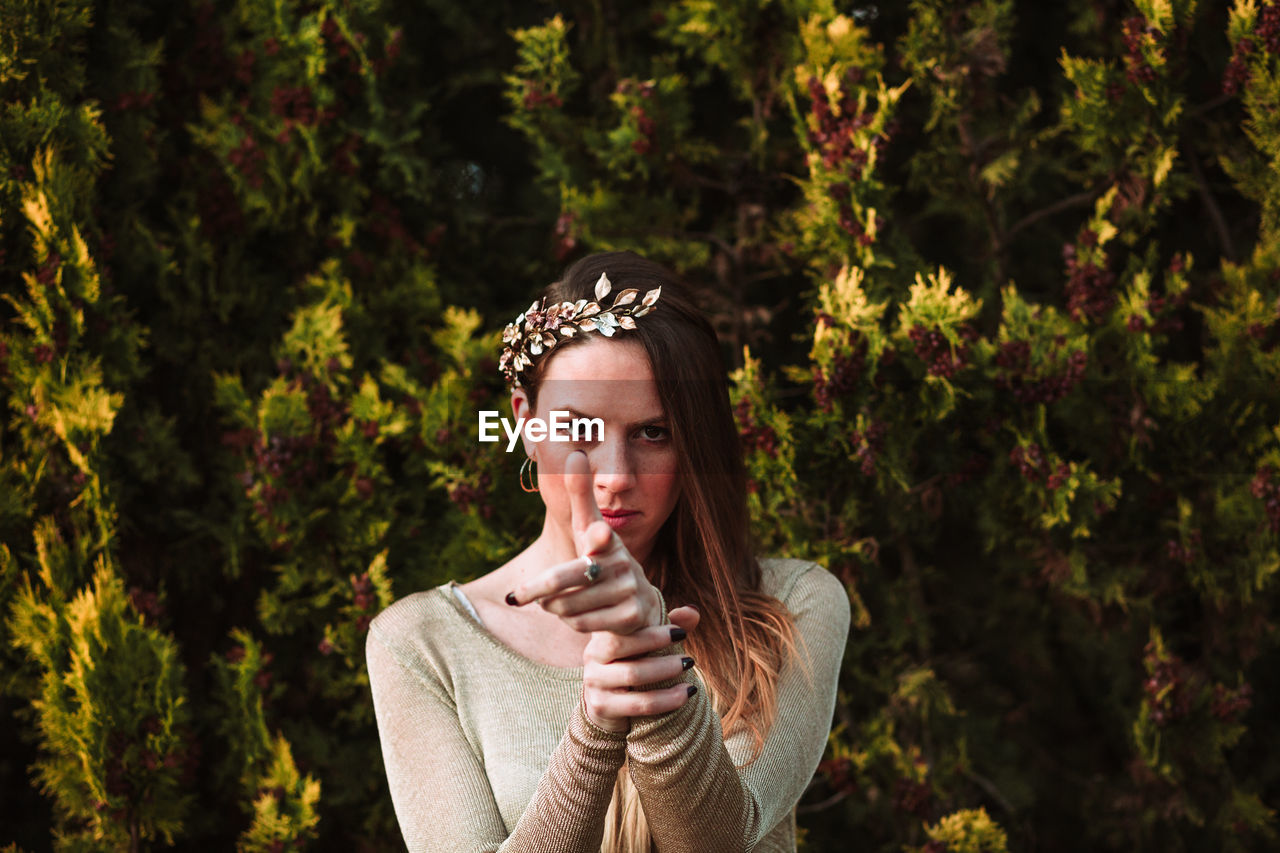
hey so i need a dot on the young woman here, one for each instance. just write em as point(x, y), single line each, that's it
point(556, 704)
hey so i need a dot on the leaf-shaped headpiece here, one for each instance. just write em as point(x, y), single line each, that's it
point(543, 326)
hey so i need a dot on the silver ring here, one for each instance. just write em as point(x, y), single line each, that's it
point(592, 573)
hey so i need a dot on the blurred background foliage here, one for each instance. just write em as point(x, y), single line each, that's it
point(998, 284)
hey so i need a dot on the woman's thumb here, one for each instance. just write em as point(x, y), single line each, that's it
point(686, 617)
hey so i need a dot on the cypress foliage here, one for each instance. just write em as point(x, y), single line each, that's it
point(111, 713)
point(999, 283)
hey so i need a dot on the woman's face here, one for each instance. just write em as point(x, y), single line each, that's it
point(633, 464)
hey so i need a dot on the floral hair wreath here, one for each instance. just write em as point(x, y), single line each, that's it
point(535, 330)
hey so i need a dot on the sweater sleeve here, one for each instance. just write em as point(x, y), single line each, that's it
point(441, 793)
point(695, 796)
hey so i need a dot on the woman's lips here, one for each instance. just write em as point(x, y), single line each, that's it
point(619, 519)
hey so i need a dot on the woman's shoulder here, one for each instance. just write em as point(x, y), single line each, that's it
point(779, 575)
point(411, 626)
point(804, 585)
point(426, 604)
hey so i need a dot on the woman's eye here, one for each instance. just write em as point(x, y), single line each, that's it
point(654, 433)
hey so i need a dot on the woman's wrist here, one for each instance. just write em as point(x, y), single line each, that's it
point(658, 615)
point(607, 728)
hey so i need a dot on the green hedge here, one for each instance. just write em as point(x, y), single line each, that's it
point(999, 285)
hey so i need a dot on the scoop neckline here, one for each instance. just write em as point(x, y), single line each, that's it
point(564, 673)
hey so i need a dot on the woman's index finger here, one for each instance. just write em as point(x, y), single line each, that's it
point(582, 503)
point(551, 581)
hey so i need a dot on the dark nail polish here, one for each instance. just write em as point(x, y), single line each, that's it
point(677, 634)
point(693, 688)
point(685, 663)
point(694, 606)
point(511, 599)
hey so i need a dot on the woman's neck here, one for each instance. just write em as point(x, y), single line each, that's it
point(555, 544)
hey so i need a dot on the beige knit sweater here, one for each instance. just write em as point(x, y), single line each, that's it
point(487, 750)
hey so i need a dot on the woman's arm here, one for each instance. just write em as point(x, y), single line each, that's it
point(694, 797)
point(442, 797)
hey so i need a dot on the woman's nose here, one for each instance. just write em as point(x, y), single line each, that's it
point(611, 463)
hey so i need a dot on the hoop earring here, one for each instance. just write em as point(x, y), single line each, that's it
point(532, 467)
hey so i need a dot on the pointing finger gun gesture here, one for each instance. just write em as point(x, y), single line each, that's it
point(604, 588)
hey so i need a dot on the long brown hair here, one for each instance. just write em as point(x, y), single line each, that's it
point(703, 554)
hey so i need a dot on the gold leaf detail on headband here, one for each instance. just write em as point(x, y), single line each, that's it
point(534, 331)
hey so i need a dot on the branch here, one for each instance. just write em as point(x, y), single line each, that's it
point(716, 240)
point(1077, 200)
point(998, 238)
point(924, 484)
point(915, 592)
point(1215, 213)
point(1213, 104)
point(683, 171)
point(992, 791)
point(822, 806)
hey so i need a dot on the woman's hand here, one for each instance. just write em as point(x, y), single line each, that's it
point(621, 599)
point(621, 611)
point(613, 665)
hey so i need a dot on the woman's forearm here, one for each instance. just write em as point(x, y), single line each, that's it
point(566, 814)
point(702, 793)
point(693, 795)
